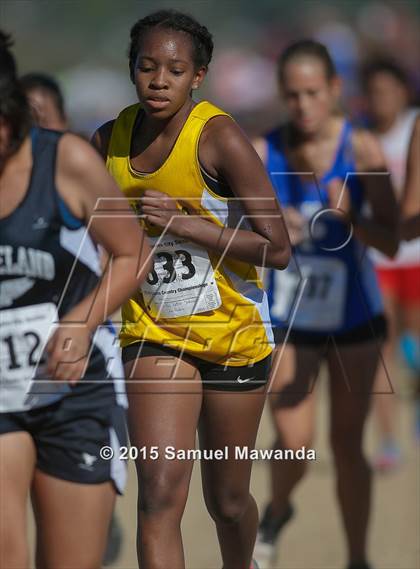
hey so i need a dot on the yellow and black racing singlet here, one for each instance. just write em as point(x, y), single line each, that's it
point(194, 300)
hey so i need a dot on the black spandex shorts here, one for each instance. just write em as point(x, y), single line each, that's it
point(213, 376)
point(375, 329)
point(68, 440)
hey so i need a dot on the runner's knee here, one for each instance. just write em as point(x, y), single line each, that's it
point(294, 442)
point(346, 443)
point(227, 506)
point(162, 492)
point(295, 436)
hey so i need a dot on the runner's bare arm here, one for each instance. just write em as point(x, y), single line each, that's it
point(82, 181)
point(225, 152)
point(380, 229)
point(410, 203)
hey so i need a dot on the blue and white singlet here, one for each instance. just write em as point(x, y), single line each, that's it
point(330, 286)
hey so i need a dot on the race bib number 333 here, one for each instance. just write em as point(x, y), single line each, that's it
point(182, 281)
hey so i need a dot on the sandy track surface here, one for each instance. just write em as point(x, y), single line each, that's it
point(313, 539)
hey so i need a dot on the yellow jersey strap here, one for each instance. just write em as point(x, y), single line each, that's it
point(119, 144)
point(185, 151)
point(206, 111)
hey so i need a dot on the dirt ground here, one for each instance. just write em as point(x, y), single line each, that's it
point(313, 539)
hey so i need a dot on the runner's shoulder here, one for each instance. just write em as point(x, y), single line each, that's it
point(220, 129)
point(78, 166)
point(225, 143)
point(75, 154)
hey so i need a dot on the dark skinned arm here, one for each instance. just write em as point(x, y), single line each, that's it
point(225, 152)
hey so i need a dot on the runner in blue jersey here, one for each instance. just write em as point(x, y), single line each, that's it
point(326, 307)
point(61, 379)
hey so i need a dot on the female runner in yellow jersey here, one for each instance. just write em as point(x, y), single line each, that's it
point(195, 178)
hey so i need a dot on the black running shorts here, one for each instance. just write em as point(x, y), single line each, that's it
point(68, 440)
point(213, 376)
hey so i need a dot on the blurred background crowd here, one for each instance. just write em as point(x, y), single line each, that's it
point(83, 44)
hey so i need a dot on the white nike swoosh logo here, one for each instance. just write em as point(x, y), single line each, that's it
point(239, 380)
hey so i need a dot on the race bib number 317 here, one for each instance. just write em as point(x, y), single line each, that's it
point(322, 284)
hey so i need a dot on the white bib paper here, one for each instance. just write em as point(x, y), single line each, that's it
point(321, 303)
point(182, 281)
point(24, 333)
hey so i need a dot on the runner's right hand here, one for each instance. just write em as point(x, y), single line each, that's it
point(67, 352)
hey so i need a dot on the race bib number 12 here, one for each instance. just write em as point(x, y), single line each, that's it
point(24, 333)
